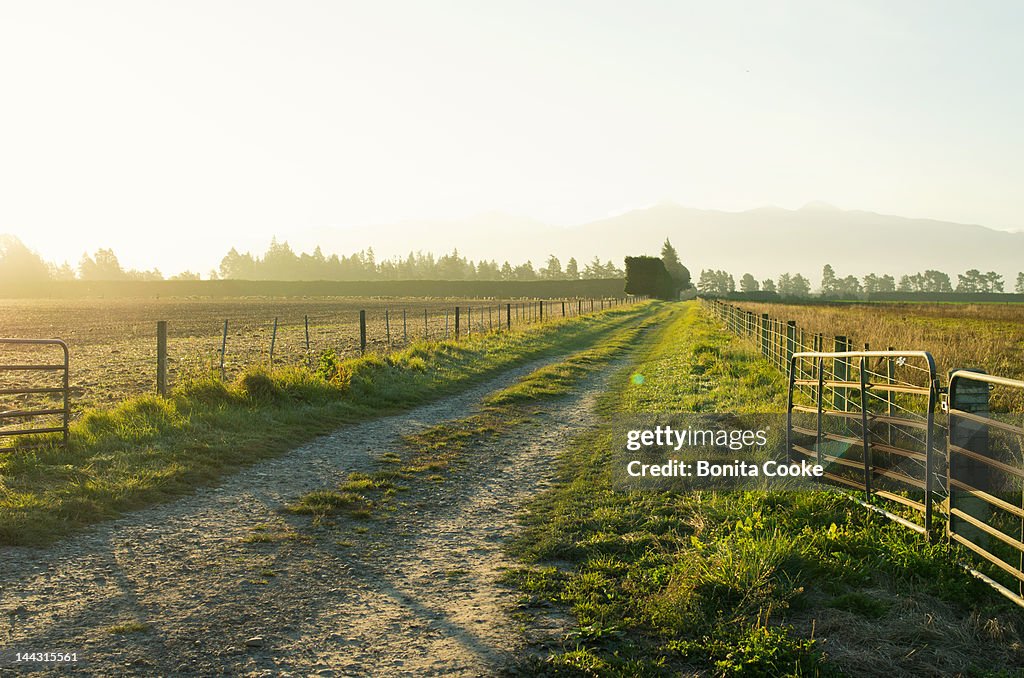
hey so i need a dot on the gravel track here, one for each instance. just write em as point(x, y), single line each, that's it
point(412, 592)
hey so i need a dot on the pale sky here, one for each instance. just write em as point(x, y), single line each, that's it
point(172, 130)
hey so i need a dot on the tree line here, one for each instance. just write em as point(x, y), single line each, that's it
point(796, 285)
point(280, 262)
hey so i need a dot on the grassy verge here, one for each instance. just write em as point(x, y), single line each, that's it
point(741, 583)
point(150, 449)
point(432, 452)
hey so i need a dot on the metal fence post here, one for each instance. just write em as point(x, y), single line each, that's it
point(865, 431)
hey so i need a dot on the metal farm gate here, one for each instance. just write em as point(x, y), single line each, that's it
point(36, 395)
point(885, 429)
point(985, 477)
point(868, 417)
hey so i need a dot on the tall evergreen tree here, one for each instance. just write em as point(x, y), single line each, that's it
point(675, 268)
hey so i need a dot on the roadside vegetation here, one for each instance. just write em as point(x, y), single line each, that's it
point(150, 449)
point(740, 583)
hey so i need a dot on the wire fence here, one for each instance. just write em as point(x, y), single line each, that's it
point(121, 349)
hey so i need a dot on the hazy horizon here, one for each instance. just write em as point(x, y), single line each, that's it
point(171, 133)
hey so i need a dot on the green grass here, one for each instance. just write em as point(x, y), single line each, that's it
point(748, 583)
point(150, 449)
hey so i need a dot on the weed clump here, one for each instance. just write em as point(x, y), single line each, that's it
point(259, 387)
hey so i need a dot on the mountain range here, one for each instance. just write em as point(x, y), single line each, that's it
point(765, 241)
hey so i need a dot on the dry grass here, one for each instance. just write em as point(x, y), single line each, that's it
point(985, 336)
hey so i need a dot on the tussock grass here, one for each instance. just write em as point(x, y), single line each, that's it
point(150, 449)
point(741, 583)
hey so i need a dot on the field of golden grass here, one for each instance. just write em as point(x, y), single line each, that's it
point(986, 336)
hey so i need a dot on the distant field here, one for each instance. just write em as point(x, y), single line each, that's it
point(113, 341)
point(987, 336)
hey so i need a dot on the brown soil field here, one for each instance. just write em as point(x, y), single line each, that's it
point(113, 341)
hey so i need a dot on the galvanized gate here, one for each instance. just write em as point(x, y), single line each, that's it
point(985, 477)
point(868, 418)
point(42, 406)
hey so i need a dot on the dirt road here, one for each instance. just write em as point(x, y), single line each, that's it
point(224, 582)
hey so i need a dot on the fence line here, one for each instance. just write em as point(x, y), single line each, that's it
point(236, 345)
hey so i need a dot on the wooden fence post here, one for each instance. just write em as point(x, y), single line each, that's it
point(405, 334)
point(387, 326)
point(764, 334)
point(362, 332)
point(540, 307)
point(456, 323)
point(790, 343)
point(307, 334)
point(508, 317)
point(161, 357)
point(469, 320)
point(223, 349)
point(426, 326)
point(273, 342)
point(841, 372)
point(563, 309)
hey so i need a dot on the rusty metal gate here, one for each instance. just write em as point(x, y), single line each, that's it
point(868, 418)
point(41, 407)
